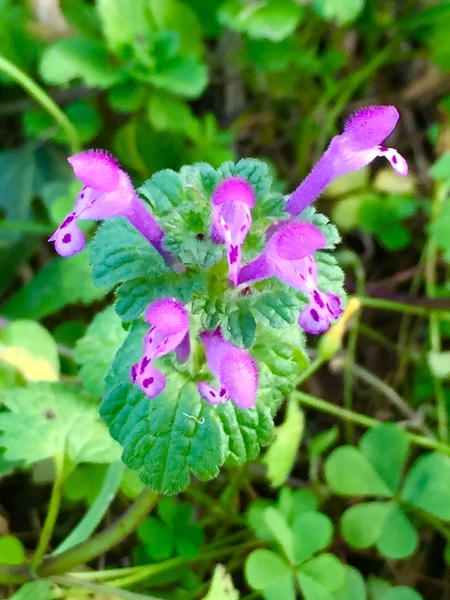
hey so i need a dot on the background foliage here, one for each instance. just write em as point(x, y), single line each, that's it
point(350, 501)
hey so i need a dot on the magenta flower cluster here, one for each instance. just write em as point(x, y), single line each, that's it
point(288, 255)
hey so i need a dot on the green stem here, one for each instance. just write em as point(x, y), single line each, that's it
point(52, 514)
point(434, 325)
point(81, 553)
point(310, 370)
point(364, 421)
point(99, 588)
point(42, 98)
point(402, 307)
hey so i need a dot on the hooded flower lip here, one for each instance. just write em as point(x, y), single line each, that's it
point(232, 202)
point(235, 370)
point(107, 192)
point(288, 256)
point(359, 144)
point(169, 331)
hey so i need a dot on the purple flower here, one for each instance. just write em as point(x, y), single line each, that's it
point(107, 192)
point(169, 331)
point(360, 142)
point(288, 256)
point(235, 370)
point(231, 219)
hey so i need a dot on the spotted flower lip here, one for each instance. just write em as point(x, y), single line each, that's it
point(169, 331)
point(232, 202)
point(107, 192)
point(235, 370)
point(288, 256)
point(357, 146)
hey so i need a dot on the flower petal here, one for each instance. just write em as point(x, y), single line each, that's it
point(397, 161)
point(239, 376)
point(151, 381)
point(168, 316)
point(369, 126)
point(215, 348)
point(211, 394)
point(296, 240)
point(234, 189)
point(322, 308)
point(97, 169)
point(68, 238)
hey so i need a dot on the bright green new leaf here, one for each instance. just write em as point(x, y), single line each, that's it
point(167, 112)
point(12, 551)
point(274, 20)
point(185, 76)
point(327, 570)
point(72, 277)
point(265, 569)
point(350, 473)
point(386, 448)
point(35, 349)
point(427, 485)
point(338, 11)
point(293, 503)
point(441, 168)
point(47, 420)
point(280, 457)
point(439, 228)
point(439, 363)
point(178, 16)
point(96, 350)
point(321, 442)
point(158, 538)
point(312, 532)
point(124, 23)
point(222, 587)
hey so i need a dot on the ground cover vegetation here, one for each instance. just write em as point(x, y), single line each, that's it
point(237, 384)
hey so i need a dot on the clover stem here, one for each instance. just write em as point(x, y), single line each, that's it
point(42, 98)
point(359, 419)
point(85, 551)
point(52, 514)
point(434, 324)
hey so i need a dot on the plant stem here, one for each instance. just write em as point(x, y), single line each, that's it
point(52, 514)
point(81, 553)
point(364, 421)
point(402, 307)
point(42, 98)
point(76, 582)
point(310, 370)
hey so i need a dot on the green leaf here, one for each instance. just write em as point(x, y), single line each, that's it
point(264, 569)
point(274, 20)
point(312, 531)
point(158, 538)
point(72, 277)
point(441, 168)
point(398, 537)
point(276, 310)
point(321, 442)
point(354, 588)
point(427, 485)
point(293, 503)
point(78, 58)
point(123, 23)
point(439, 363)
point(35, 590)
point(222, 587)
point(239, 327)
point(350, 473)
point(38, 343)
point(327, 570)
point(362, 524)
point(12, 551)
point(439, 228)
point(311, 589)
point(185, 76)
point(96, 350)
point(402, 592)
point(167, 112)
point(53, 420)
point(386, 448)
point(340, 12)
point(280, 457)
point(281, 532)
